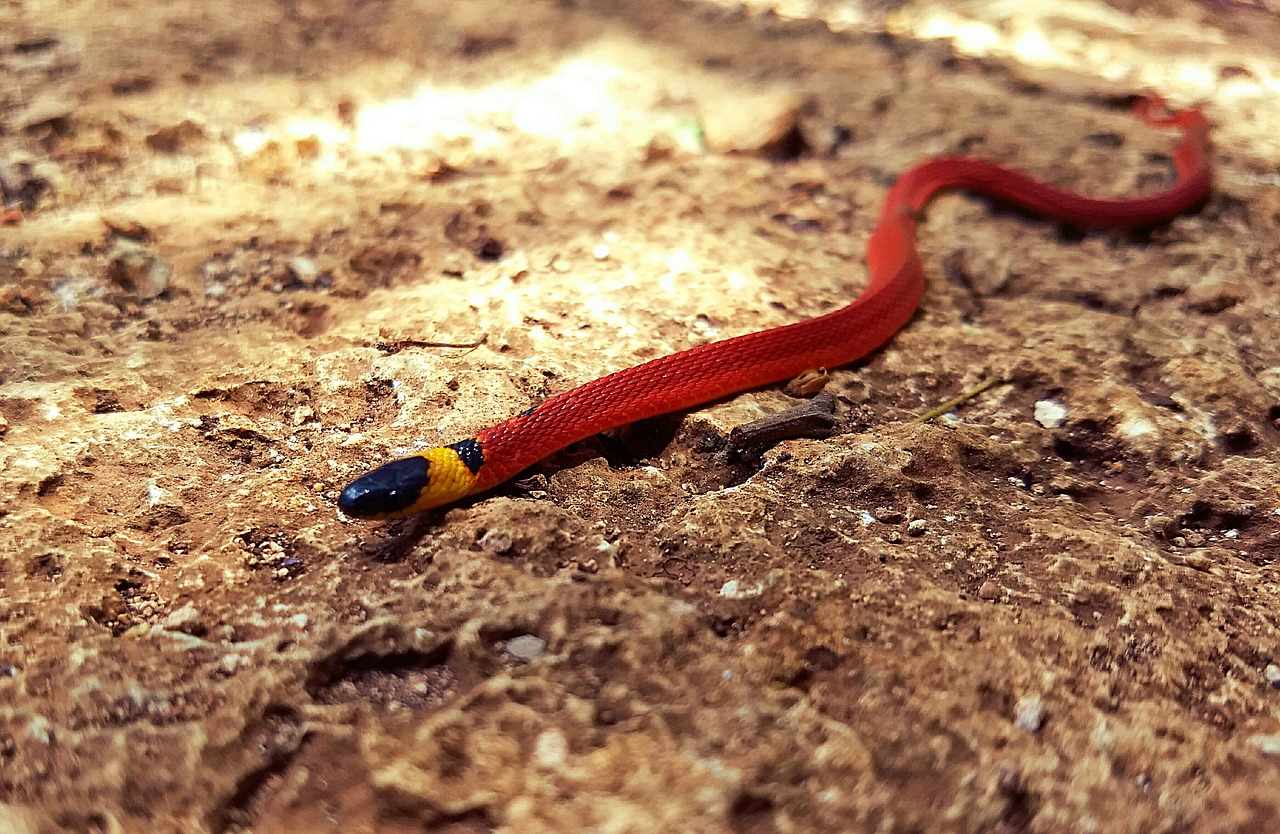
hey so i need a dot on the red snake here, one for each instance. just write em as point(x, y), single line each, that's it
point(445, 474)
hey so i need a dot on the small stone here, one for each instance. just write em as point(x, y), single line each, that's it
point(1268, 744)
point(303, 271)
point(888, 515)
point(231, 662)
point(175, 138)
point(526, 648)
point(1272, 674)
point(187, 620)
point(660, 148)
point(733, 589)
point(989, 591)
point(126, 227)
point(496, 541)
point(1196, 561)
point(917, 526)
point(753, 123)
point(1028, 714)
point(171, 185)
point(137, 270)
point(551, 750)
point(1051, 414)
point(1161, 525)
point(264, 157)
point(1213, 294)
point(307, 147)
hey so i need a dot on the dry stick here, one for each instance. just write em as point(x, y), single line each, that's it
point(400, 344)
point(952, 403)
point(812, 418)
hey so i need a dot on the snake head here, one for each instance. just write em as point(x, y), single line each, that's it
point(420, 482)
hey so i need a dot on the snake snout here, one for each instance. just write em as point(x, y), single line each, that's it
point(391, 489)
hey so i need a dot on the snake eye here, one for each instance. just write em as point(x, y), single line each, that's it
point(388, 490)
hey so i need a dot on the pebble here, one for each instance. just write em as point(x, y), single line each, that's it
point(1051, 414)
point(733, 589)
point(186, 619)
point(989, 591)
point(752, 123)
point(137, 270)
point(917, 526)
point(303, 271)
point(888, 515)
point(1029, 713)
point(126, 227)
point(1268, 744)
point(1161, 525)
point(526, 648)
point(1272, 674)
point(231, 662)
point(496, 541)
point(551, 750)
point(1213, 294)
point(176, 138)
point(264, 157)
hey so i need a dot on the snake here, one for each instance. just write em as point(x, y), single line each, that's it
point(439, 476)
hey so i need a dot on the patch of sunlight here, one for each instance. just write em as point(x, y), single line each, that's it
point(1196, 76)
point(569, 105)
point(249, 142)
point(678, 263)
point(970, 36)
point(1032, 46)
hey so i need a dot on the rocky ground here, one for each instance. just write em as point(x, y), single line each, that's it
point(252, 249)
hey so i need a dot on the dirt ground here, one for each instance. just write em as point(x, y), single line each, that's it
point(253, 249)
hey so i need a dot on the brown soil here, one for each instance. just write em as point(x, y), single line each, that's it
point(247, 227)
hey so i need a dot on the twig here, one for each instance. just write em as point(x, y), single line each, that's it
point(813, 418)
point(952, 403)
point(400, 344)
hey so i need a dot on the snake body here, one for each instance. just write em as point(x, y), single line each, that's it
point(445, 474)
